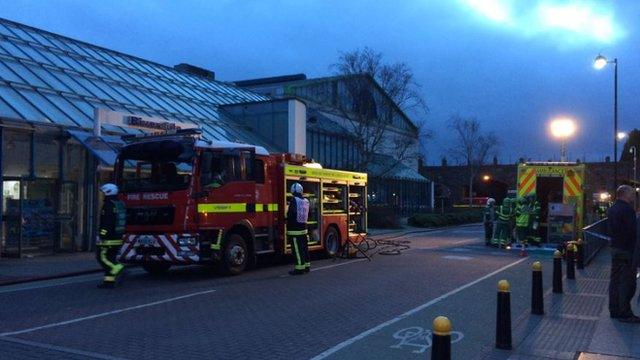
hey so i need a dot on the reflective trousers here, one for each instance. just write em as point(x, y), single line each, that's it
point(300, 247)
point(501, 237)
point(488, 231)
point(521, 234)
point(106, 256)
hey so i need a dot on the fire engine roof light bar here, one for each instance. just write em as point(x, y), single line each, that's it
point(131, 137)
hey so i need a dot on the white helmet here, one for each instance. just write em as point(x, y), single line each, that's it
point(109, 189)
point(296, 188)
point(491, 201)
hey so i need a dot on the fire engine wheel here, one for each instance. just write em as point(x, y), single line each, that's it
point(156, 268)
point(236, 256)
point(331, 242)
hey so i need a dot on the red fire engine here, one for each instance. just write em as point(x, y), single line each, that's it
point(192, 201)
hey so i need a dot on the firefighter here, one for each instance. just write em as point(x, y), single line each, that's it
point(523, 213)
point(297, 216)
point(112, 222)
point(489, 220)
point(501, 236)
point(534, 222)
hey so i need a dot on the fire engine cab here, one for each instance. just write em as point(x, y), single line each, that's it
point(193, 201)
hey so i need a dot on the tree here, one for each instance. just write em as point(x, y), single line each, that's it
point(370, 114)
point(633, 140)
point(473, 146)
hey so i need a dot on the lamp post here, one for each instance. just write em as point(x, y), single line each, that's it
point(599, 63)
point(634, 151)
point(562, 128)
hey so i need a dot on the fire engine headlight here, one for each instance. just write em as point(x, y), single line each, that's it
point(187, 241)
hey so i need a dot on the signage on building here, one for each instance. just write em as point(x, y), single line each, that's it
point(145, 123)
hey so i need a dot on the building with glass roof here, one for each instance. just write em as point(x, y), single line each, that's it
point(52, 90)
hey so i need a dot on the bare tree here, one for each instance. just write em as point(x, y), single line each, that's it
point(473, 147)
point(370, 115)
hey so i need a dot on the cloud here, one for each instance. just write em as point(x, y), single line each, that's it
point(570, 22)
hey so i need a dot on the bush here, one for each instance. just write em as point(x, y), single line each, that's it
point(438, 220)
point(382, 217)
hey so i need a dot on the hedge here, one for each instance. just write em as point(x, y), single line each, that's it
point(437, 220)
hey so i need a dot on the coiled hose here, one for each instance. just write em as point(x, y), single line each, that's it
point(386, 246)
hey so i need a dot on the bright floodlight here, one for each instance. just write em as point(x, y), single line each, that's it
point(563, 128)
point(600, 62)
point(621, 135)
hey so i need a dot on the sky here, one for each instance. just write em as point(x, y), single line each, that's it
point(512, 64)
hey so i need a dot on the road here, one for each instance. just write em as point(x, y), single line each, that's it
point(347, 309)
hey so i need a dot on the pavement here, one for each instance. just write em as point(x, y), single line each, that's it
point(28, 269)
point(577, 323)
point(344, 309)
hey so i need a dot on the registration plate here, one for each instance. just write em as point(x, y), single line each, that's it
point(146, 240)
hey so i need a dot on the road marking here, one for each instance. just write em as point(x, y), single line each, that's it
point(61, 349)
point(457, 257)
point(331, 266)
point(366, 333)
point(461, 250)
point(419, 338)
point(113, 312)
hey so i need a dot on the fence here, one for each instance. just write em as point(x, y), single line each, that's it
point(594, 238)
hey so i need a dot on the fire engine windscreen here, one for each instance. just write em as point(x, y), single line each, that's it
point(164, 165)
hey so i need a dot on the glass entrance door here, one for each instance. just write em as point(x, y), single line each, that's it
point(39, 231)
point(12, 219)
point(67, 215)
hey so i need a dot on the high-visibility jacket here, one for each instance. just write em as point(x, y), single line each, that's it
point(297, 216)
point(522, 215)
point(504, 213)
point(112, 221)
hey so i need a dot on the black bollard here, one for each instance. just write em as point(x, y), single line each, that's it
point(441, 339)
point(537, 301)
point(557, 272)
point(503, 316)
point(580, 254)
point(571, 261)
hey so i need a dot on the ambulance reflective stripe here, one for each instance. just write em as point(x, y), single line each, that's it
point(169, 242)
point(110, 242)
point(236, 208)
point(572, 184)
point(527, 182)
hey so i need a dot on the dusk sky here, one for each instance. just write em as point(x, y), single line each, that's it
point(512, 64)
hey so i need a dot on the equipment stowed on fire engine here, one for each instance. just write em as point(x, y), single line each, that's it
point(191, 201)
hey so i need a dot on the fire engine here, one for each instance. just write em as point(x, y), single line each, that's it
point(193, 201)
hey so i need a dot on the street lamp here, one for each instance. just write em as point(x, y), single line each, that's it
point(562, 128)
point(634, 151)
point(599, 63)
point(486, 177)
point(621, 135)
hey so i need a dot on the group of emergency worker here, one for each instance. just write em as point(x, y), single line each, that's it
point(515, 221)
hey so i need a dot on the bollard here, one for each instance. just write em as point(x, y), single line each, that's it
point(503, 316)
point(571, 261)
point(537, 301)
point(441, 339)
point(580, 254)
point(557, 272)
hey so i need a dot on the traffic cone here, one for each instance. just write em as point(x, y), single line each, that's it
point(557, 272)
point(441, 339)
point(537, 301)
point(503, 316)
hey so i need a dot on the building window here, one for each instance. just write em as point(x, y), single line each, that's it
point(46, 157)
point(16, 154)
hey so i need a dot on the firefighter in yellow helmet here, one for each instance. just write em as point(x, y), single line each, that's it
point(112, 221)
point(297, 216)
